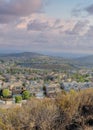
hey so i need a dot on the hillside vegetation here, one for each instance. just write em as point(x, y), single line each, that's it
point(68, 111)
point(38, 61)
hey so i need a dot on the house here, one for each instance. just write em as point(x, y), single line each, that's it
point(40, 95)
point(75, 85)
point(17, 90)
point(52, 90)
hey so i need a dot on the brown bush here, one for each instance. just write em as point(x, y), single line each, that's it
point(73, 110)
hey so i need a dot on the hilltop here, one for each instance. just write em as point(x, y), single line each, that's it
point(39, 61)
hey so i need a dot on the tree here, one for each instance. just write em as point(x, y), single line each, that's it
point(5, 93)
point(18, 99)
point(25, 95)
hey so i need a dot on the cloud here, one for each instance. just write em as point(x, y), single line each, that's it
point(80, 28)
point(40, 22)
point(83, 9)
point(89, 9)
point(89, 33)
point(76, 12)
point(12, 9)
point(44, 25)
point(40, 33)
point(30, 29)
point(38, 26)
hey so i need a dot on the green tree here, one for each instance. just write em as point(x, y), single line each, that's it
point(18, 99)
point(25, 95)
point(5, 93)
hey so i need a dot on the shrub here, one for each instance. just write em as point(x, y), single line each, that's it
point(69, 111)
point(18, 99)
point(5, 93)
point(25, 95)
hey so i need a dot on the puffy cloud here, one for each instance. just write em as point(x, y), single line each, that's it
point(40, 22)
point(40, 33)
point(80, 28)
point(12, 9)
point(37, 32)
point(38, 26)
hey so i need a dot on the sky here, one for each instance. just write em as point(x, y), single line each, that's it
point(46, 26)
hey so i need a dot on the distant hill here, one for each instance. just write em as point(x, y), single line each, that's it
point(24, 54)
point(85, 61)
point(35, 60)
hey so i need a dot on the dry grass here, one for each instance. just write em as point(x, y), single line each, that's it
point(50, 114)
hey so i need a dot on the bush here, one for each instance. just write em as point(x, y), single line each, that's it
point(68, 111)
point(25, 95)
point(5, 93)
point(18, 99)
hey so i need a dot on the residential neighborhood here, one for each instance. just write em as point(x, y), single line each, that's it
point(40, 83)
